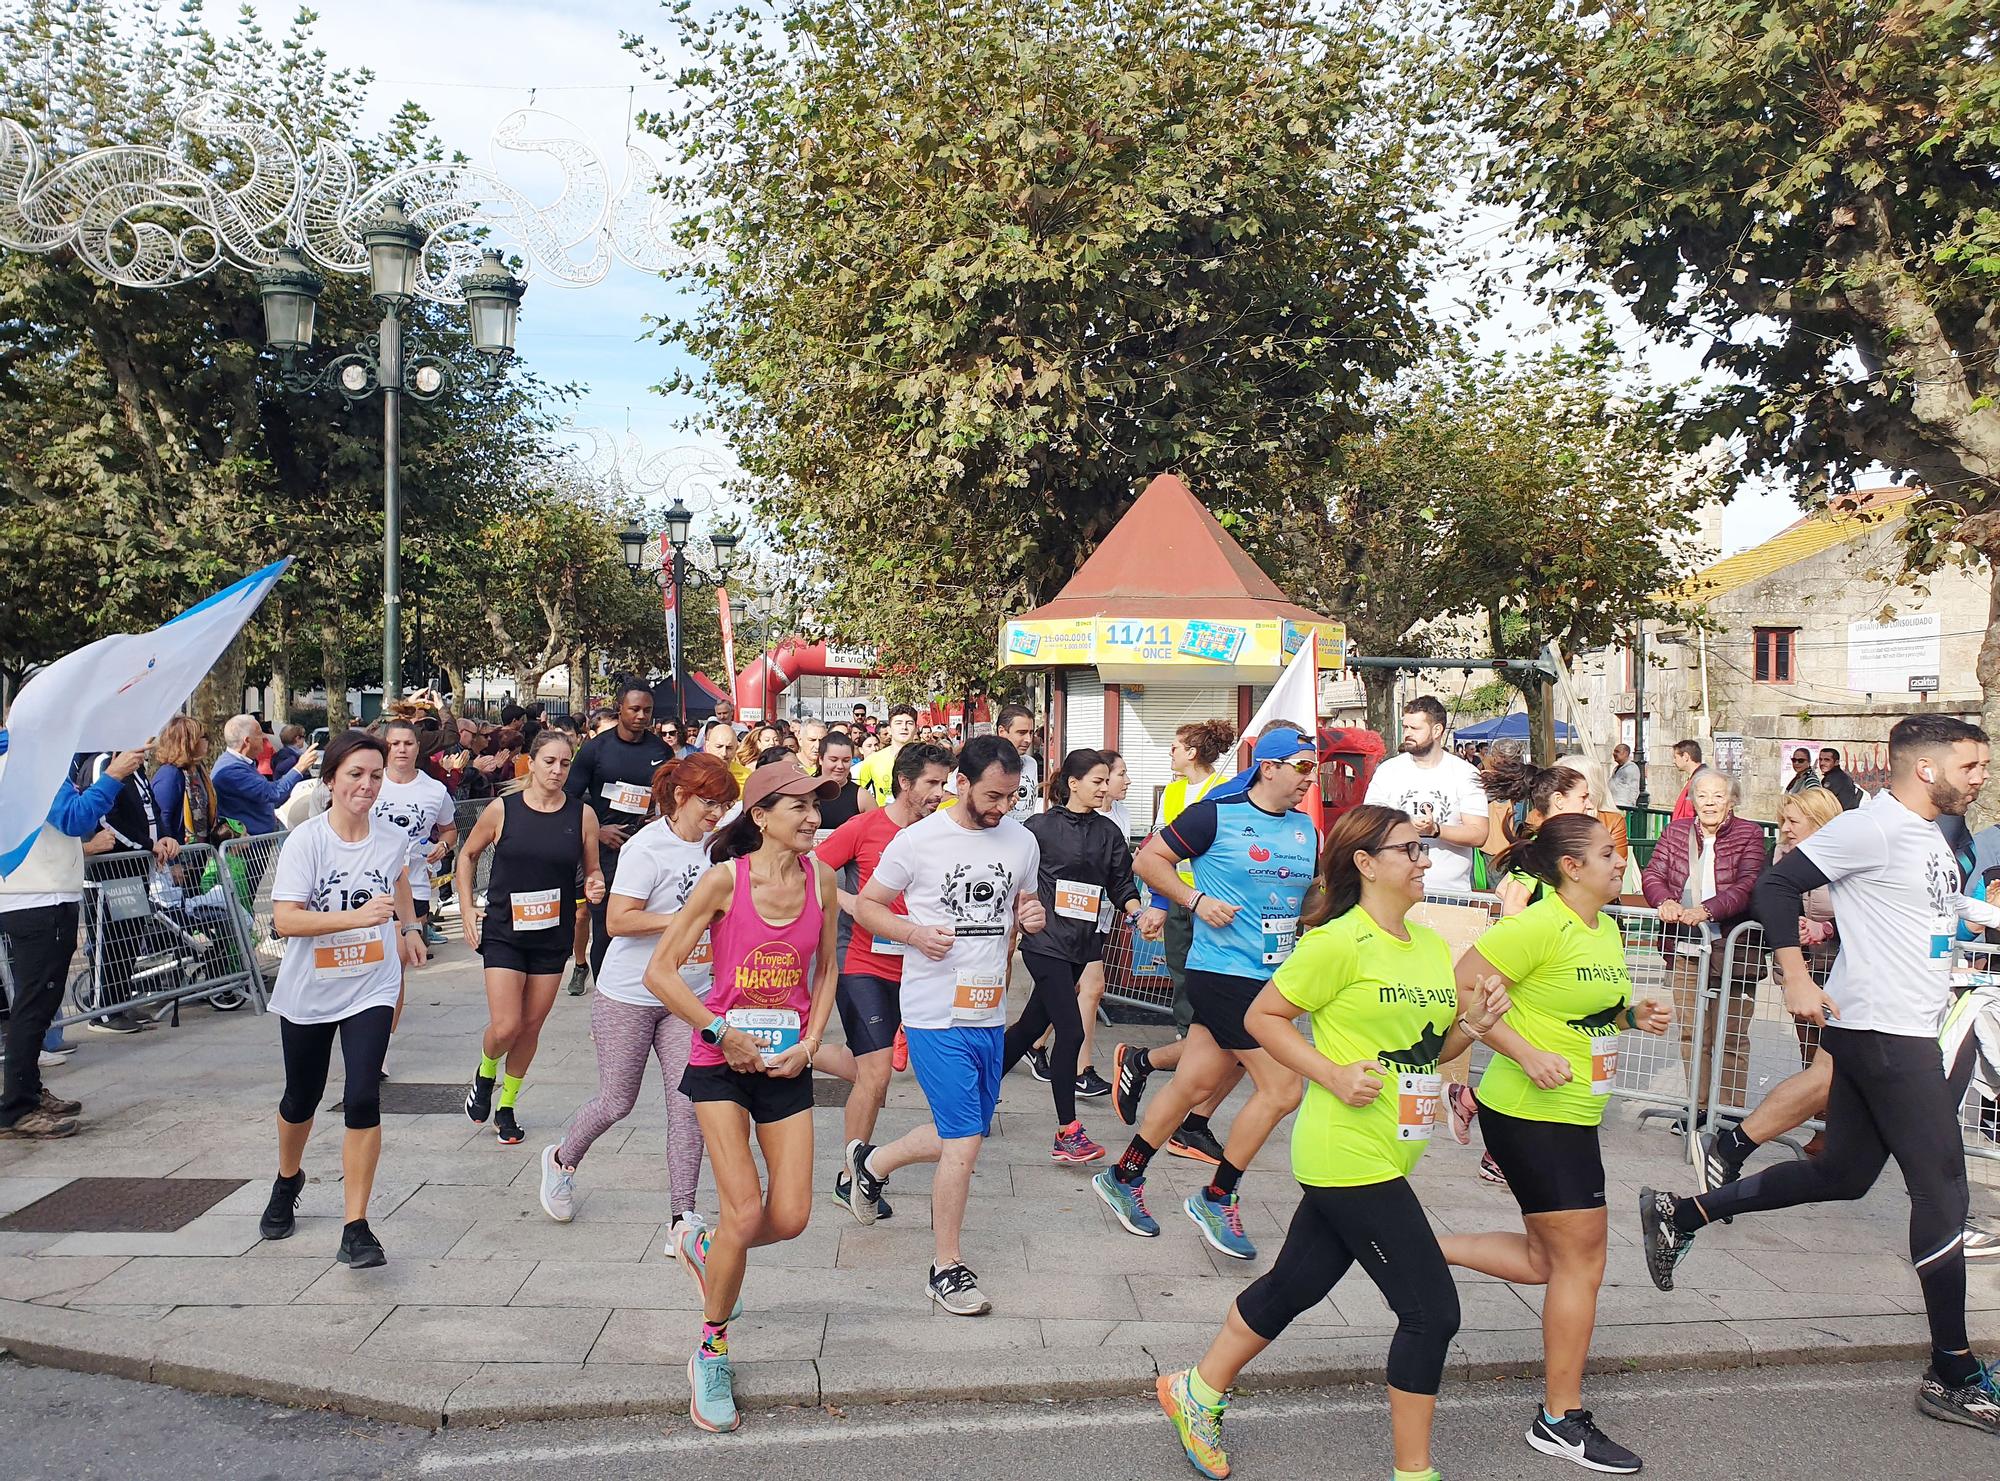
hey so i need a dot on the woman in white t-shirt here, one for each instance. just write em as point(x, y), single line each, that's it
point(342, 905)
point(656, 871)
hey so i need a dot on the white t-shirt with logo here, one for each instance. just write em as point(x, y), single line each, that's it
point(1895, 887)
point(323, 979)
point(415, 808)
point(1447, 793)
point(967, 879)
point(660, 869)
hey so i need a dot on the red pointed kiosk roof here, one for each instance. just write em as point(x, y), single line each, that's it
point(1168, 557)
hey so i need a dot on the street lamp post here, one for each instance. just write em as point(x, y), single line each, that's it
point(681, 576)
point(395, 247)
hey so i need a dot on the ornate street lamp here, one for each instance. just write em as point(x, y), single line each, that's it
point(492, 304)
point(395, 251)
point(291, 293)
point(678, 576)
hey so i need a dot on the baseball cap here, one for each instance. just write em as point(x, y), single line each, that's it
point(784, 779)
point(1279, 743)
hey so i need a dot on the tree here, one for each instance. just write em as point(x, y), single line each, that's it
point(968, 277)
point(1806, 190)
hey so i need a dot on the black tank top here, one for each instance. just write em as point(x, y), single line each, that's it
point(537, 852)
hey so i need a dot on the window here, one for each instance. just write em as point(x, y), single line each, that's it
point(1776, 649)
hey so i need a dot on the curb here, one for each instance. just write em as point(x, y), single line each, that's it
point(436, 1395)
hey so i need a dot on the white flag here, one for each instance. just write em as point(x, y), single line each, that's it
point(113, 695)
point(1294, 699)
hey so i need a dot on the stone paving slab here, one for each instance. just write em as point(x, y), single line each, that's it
point(487, 1311)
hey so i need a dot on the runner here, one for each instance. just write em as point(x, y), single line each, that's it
point(1542, 1097)
point(420, 806)
point(759, 1035)
point(1016, 725)
point(836, 765)
point(1196, 748)
point(1893, 882)
point(1085, 868)
point(614, 772)
point(875, 775)
point(1253, 854)
point(718, 739)
point(871, 972)
point(1384, 1012)
point(967, 878)
point(1441, 792)
point(662, 864)
point(341, 903)
point(540, 838)
point(1090, 987)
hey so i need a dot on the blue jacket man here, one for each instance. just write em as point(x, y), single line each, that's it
point(242, 795)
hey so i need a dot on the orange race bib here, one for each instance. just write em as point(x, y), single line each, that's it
point(628, 797)
point(1416, 1105)
point(536, 910)
point(1076, 901)
point(1603, 1065)
point(978, 994)
point(703, 954)
point(349, 953)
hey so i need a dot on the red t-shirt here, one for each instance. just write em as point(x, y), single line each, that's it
point(859, 841)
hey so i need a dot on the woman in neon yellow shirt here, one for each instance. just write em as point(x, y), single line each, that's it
point(1385, 1012)
point(1541, 1100)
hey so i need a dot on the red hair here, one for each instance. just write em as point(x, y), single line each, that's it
point(700, 775)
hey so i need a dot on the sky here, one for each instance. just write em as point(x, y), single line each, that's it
point(470, 64)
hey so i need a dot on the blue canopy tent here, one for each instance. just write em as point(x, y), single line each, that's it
point(1512, 727)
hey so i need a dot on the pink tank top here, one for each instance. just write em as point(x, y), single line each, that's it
point(763, 973)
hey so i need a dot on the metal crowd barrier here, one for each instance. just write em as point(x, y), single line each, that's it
point(1135, 970)
point(251, 863)
point(1977, 964)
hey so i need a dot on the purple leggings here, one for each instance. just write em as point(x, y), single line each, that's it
point(625, 1033)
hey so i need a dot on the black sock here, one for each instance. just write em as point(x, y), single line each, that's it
point(1131, 1167)
point(1192, 1122)
point(296, 1180)
point(1733, 1145)
point(1688, 1217)
point(1140, 1063)
point(1227, 1176)
point(1955, 1368)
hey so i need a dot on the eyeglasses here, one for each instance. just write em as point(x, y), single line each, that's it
point(1304, 766)
point(1416, 850)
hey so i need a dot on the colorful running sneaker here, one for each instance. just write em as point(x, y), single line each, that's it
point(1199, 1426)
point(1489, 1170)
point(1073, 1144)
point(1221, 1224)
point(1665, 1246)
point(1462, 1105)
point(1196, 1143)
point(558, 1191)
point(1975, 1404)
point(691, 1249)
point(1128, 1204)
point(1128, 1083)
point(712, 1392)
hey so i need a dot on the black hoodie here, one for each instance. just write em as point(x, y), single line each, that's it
point(1079, 848)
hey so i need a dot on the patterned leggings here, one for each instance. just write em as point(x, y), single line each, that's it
point(625, 1033)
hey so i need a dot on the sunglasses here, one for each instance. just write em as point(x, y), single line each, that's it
point(1416, 850)
point(1304, 766)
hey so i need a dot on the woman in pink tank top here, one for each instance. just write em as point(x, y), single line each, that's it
point(767, 908)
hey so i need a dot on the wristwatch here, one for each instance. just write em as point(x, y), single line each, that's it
point(418, 926)
point(715, 1030)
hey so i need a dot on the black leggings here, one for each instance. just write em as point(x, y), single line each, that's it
point(364, 1044)
point(1890, 1098)
point(1052, 1006)
point(1382, 1226)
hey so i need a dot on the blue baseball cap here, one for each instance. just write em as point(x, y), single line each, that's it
point(1279, 743)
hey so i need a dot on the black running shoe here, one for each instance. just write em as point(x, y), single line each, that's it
point(1038, 1065)
point(506, 1127)
point(281, 1213)
point(1712, 1167)
point(1128, 1083)
point(1197, 1144)
point(843, 1194)
point(1576, 1437)
point(1975, 1404)
point(479, 1099)
point(360, 1248)
point(1090, 1085)
point(1665, 1246)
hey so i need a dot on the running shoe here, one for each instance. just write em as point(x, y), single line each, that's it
point(1975, 1404)
point(1576, 1437)
point(1090, 1085)
point(1073, 1144)
point(899, 1053)
point(712, 1392)
point(558, 1186)
point(479, 1099)
point(1199, 1426)
point(432, 935)
point(1665, 1246)
point(38, 1126)
point(56, 1106)
point(687, 1242)
point(1221, 1224)
point(1197, 1144)
point(1128, 1204)
point(579, 979)
point(956, 1289)
point(1713, 1169)
point(1038, 1065)
point(507, 1128)
point(865, 1189)
point(1489, 1170)
point(118, 1024)
point(1679, 1126)
point(843, 1187)
point(48, 1059)
point(1128, 1083)
point(281, 1213)
point(359, 1248)
point(1461, 1105)
point(1980, 1243)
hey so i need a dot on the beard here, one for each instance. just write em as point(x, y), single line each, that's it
point(1949, 799)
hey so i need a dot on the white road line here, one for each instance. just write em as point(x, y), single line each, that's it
point(987, 1420)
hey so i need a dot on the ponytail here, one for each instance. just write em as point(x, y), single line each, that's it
point(1517, 780)
point(1076, 766)
point(1539, 851)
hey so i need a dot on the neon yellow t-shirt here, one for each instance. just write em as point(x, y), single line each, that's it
point(1570, 990)
point(877, 774)
point(1371, 996)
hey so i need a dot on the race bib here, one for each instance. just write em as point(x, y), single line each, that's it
point(774, 1029)
point(703, 954)
point(885, 947)
point(536, 910)
point(627, 797)
point(1280, 931)
point(1078, 901)
point(1416, 1105)
point(1603, 1065)
point(349, 953)
point(978, 994)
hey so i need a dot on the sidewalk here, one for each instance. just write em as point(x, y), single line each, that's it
point(487, 1311)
